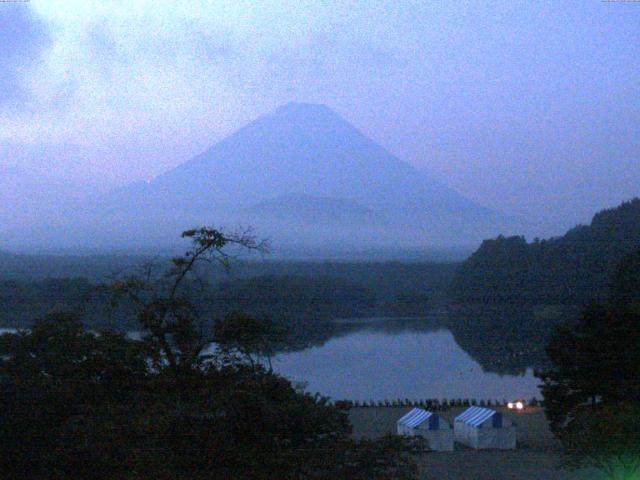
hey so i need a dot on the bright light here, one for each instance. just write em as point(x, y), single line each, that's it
point(519, 405)
point(509, 405)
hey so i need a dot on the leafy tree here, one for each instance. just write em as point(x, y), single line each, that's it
point(626, 284)
point(607, 438)
point(163, 307)
point(593, 386)
point(78, 404)
point(52, 379)
point(595, 361)
point(253, 338)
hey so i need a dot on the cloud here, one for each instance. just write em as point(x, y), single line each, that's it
point(22, 37)
point(457, 87)
point(107, 72)
point(180, 75)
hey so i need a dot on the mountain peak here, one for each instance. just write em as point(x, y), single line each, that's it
point(303, 108)
point(306, 114)
point(304, 147)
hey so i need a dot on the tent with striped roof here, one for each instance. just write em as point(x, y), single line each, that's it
point(433, 428)
point(484, 428)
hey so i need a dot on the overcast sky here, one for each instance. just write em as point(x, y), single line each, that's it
point(531, 107)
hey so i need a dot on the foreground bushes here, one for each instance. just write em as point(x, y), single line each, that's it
point(79, 405)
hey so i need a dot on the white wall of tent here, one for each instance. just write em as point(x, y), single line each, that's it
point(477, 427)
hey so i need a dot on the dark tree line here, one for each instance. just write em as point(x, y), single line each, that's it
point(573, 269)
point(86, 404)
point(294, 299)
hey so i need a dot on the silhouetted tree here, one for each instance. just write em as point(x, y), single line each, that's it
point(78, 404)
point(63, 391)
point(594, 382)
point(253, 338)
point(164, 310)
point(626, 284)
point(607, 438)
point(595, 361)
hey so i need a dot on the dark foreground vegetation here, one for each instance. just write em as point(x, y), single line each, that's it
point(592, 388)
point(78, 404)
point(82, 400)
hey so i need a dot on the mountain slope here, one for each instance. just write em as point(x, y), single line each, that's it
point(573, 269)
point(309, 209)
point(300, 149)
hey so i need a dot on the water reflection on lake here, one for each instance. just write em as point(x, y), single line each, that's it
point(393, 359)
point(379, 363)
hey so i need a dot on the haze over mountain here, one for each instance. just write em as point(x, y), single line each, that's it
point(310, 209)
point(300, 175)
point(529, 108)
point(32, 193)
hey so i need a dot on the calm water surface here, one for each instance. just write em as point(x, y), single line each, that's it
point(378, 364)
point(373, 364)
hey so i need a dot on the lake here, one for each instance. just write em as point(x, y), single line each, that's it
point(380, 360)
point(375, 363)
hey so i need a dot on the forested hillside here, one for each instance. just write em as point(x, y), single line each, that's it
point(573, 269)
point(296, 292)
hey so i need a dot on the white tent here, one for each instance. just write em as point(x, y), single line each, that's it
point(483, 428)
point(430, 426)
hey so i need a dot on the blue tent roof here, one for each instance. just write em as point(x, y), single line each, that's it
point(476, 416)
point(416, 417)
